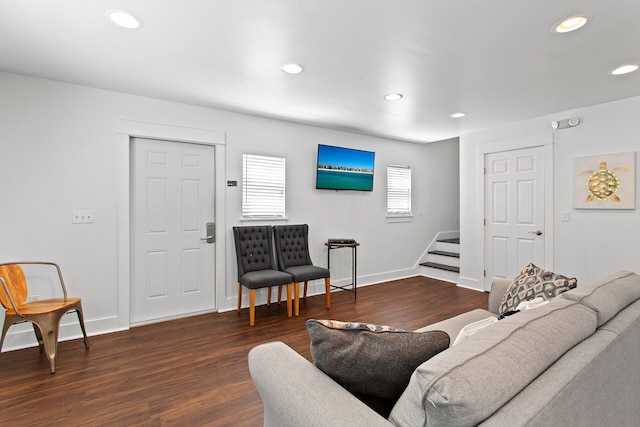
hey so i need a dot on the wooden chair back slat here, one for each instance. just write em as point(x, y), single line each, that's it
point(14, 278)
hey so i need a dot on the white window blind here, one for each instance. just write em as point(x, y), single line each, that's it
point(263, 186)
point(398, 190)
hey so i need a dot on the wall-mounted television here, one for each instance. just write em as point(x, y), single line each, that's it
point(344, 168)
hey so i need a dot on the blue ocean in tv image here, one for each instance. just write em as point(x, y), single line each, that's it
point(344, 168)
point(344, 180)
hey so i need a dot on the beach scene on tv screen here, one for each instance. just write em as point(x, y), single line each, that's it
point(344, 168)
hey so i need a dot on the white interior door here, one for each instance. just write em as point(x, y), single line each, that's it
point(514, 212)
point(172, 201)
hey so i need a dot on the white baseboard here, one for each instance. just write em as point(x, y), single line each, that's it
point(468, 283)
point(316, 287)
point(22, 335)
point(435, 273)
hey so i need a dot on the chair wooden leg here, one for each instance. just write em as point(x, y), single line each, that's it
point(279, 294)
point(289, 299)
point(269, 297)
point(306, 286)
point(252, 307)
point(296, 298)
point(239, 297)
point(327, 285)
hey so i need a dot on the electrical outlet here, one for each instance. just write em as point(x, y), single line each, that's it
point(82, 217)
point(33, 298)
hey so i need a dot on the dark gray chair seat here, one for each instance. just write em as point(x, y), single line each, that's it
point(263, 278)
point(292, 252)
point(257, 267)
point(304, 273)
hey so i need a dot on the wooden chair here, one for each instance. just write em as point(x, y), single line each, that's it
point(292, 250)
point(256, 265)
point(43, 314)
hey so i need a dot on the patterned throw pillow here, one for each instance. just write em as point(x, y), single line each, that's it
point(372, 362)
point(534, 282)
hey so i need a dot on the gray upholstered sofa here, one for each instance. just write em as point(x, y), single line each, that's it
point(572, 362)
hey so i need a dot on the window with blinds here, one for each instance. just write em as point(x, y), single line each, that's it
point(398, 190)
point(263, 186)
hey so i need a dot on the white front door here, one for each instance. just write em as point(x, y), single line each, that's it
point(172, 201)
point(514, 212)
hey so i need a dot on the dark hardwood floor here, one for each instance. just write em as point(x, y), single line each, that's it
point(193, 371)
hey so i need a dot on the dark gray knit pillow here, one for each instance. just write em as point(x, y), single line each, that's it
point(533, 282)
point(370, 360)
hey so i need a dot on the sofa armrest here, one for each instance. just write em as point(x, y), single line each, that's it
point(296, 393)
point(498, 289)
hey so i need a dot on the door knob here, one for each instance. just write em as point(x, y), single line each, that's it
point(211, 233)
point(537, 232)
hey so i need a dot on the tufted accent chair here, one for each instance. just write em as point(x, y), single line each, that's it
point(292, 250)
point(256, 265)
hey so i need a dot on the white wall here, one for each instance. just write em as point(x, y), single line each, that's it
point(61, 152)
point(593, 242)
point(388, 250)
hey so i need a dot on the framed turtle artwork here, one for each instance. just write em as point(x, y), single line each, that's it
point(605, 181)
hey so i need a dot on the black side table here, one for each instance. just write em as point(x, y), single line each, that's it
point(354, 263)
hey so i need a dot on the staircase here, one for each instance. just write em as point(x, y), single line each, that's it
point(443, 260)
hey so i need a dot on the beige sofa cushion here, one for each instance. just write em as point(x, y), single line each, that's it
point(467, 383)
point(608, 295)
point(454, 325)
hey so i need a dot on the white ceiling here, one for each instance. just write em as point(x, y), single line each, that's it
point(496, 60)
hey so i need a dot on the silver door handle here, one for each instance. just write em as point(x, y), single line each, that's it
point(211, 233)
point(537, 232)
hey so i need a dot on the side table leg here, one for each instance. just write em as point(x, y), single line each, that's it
point(355, 271)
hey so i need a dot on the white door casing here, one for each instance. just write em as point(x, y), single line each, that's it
point(514, 211)
point(172, 200)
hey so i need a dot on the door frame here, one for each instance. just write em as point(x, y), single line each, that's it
point(544, 140)
point(512, 229)
point(127, 129)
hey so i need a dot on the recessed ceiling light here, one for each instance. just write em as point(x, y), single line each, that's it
point(458, 115)
point(292, 68)
point(571, 23)
point(393, 96)
point(625, 69)
point(123, 19)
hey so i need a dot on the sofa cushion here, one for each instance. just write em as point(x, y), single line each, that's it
point(467, 383)
point(473, 328)
point(454, 325)
point(533, 282)
point(608, 295)
point(372, 362)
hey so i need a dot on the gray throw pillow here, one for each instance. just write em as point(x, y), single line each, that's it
point(533, 282)
point(370, 360)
